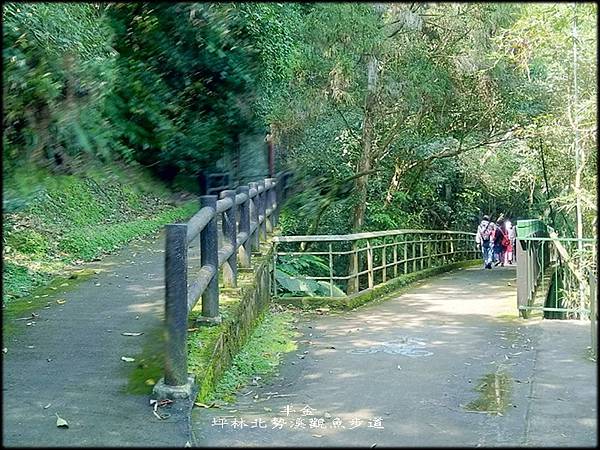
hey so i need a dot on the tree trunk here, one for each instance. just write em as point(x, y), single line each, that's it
point(365, 161)
point(364, 165)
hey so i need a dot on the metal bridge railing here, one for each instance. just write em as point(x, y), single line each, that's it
point(337, 265)
point(552, 274)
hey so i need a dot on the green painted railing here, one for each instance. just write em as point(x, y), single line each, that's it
point(338, 265)
point(552, 272)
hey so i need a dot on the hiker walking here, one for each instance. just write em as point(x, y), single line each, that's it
point(485, 239)
point(509, 235)
point(500, 238)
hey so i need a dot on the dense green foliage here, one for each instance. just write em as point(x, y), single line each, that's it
point(392, 115)
point(68, 219)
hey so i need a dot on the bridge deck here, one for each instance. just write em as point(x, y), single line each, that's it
point(415, 361)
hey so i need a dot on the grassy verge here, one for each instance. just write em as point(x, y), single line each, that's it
point(260, 356)
point(53, 223)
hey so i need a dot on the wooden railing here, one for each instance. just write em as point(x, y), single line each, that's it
point(363, 260)
point(246, 216)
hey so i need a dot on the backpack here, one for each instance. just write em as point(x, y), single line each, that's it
point(487, 233)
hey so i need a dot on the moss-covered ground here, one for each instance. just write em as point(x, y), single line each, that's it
point(260, 356)
point(53, 223)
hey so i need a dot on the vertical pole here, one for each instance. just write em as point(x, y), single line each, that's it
point(421, 259)
point(352, 286)
point(230, 234)
point(176, 312)
point(244, 251)
point(405, 253)
point(414, 253)
point(593, 300)
point(268, 206)
point(330, 270)
point(522, 276)
point(395, 256)
point(272, 202)
point(254, 238)
point(262, 225)
point(429, 250)
point(384, 261)
point(370, 263)
point(278, 199)
point(209, 257)
point(273, 272)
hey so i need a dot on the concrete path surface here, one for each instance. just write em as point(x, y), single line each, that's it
point(69, 361)
point(432, 367)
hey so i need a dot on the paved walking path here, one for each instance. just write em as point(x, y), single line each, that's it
point(70, 359)
point(404, 373)
point(392, 373)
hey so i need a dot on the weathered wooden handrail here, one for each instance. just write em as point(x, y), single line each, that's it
point(247, 215)
point(418, 249)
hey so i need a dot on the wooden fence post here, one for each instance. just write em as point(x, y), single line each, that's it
point(254, 217)
point(268, 206)
point(244, 251)
point(230, 234)
point(262, 217)
point(209, 256)
point(176, 312)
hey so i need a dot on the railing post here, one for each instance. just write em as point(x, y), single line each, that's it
point(254, 217)
point(370, 264)
point(384, 262)
point(352, 285)
point(421, 259)
point(244, 251)
point(395, 256)
point(177, 383)
point(230, 234)
point(429, 250)
point(209, 256)
point(522, 277)
point(330, 270)
point(262, 206)
point(272, 202)
point(405, 253)
point(593, 300)
point(278, 199)
point(268, 206)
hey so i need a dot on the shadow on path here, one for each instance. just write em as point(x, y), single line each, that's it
point(405, 372)
point(70, 359)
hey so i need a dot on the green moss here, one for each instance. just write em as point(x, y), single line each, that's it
point(149, 364)
point(259, 356)
point(38, 299)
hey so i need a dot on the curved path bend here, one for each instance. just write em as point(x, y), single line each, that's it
point(405, 372)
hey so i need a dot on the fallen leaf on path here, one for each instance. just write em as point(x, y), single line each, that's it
point(64, 284)
point(149, 382)
point(204, 405)
point(267, 409)
point(191, 330)
point(53, 288)
point(317, 435)
point(4, 350)
point(60, 422)
point(127, 359)
point(132, 334)
point(47, 406)
point(61, 302)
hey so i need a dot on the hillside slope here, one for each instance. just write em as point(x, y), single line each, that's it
point(53, 223)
